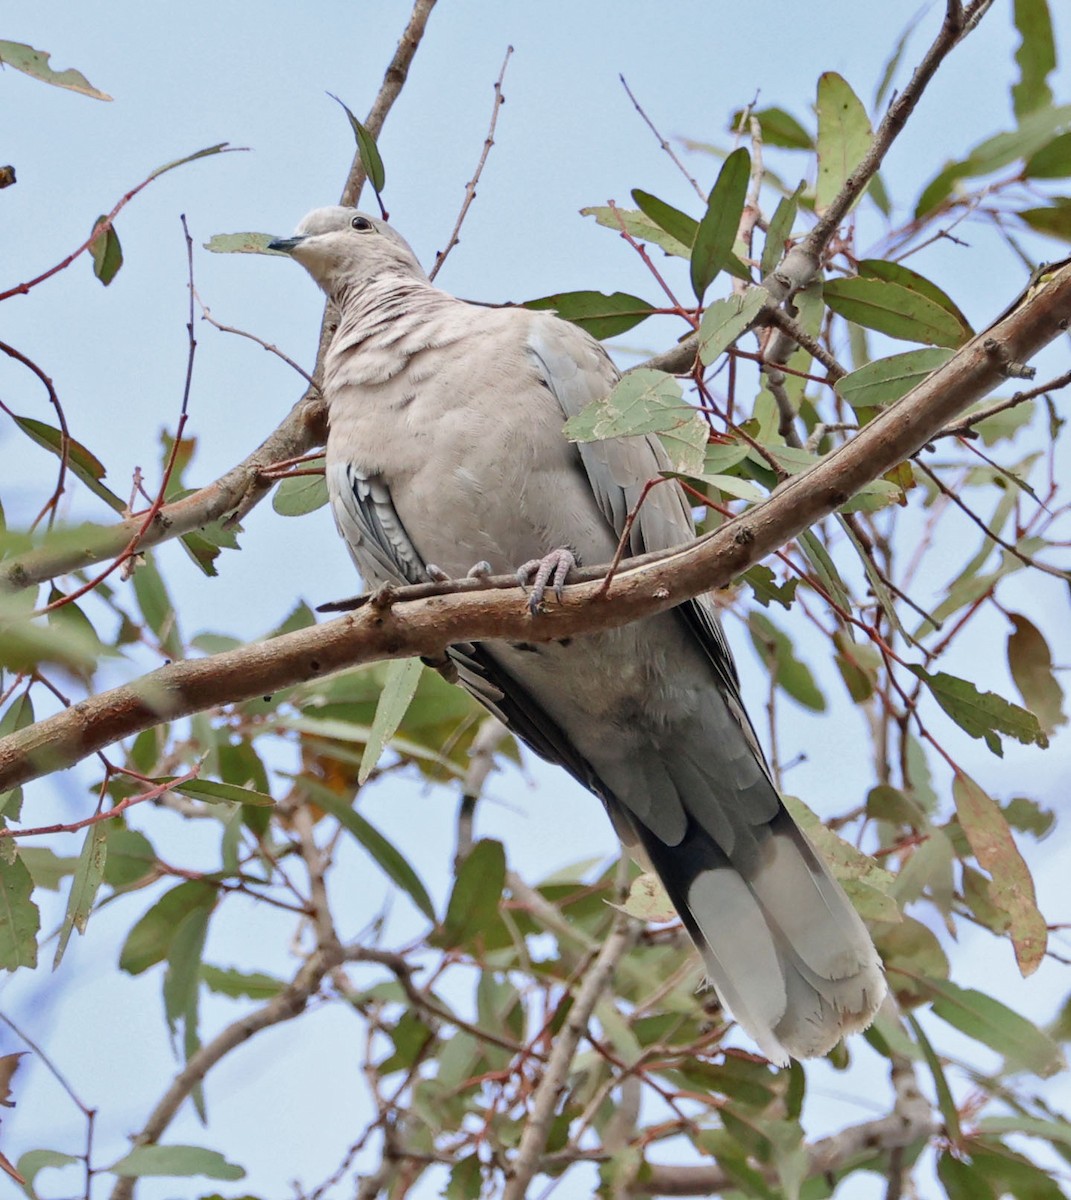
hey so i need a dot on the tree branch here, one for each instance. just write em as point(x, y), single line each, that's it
point(801, 263)
point(393, 81)
point(911, 1120)
point(548, 1091)
point(399, 627)
point(287, 1005)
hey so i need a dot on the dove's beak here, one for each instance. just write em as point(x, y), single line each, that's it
point(285, 245)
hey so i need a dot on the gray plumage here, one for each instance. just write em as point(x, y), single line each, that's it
point(446, 448)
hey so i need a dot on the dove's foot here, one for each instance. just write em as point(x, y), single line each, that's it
point(480, 570)
point(552, 568)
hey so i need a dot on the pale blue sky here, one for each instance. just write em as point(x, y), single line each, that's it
point(187, 76)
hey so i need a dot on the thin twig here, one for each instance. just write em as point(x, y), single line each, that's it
point(104, 815)
point(470, 187)
point(965, 428)
point(661, 140)
point(99, 230)
point(135, 542)
point(51, 503)
point(206, 315)
point(1010, 547)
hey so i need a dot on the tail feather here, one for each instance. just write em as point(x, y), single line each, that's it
point(785, 950)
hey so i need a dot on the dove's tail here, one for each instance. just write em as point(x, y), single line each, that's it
point(785, 950)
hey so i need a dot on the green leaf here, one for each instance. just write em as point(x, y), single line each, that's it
point(774, 648)
point(714, 239)
point(368, 151)
point(393, 864)
point(399, 687)
point(892, 272)
point(131, 857)
point(1035, 57)
point(892, 309)
point(82, 463)
point(242, 243)
point(779, 128)
point(676, 223)
point(301, 494)
point(87, 880)
point(212, 792)
point(35, 62)
point(105, 251)
point(1013, 1174)
point(1030, 662)
point(1012, 888)
point(886, 380)
point(156, 607)
point(182, 979)
point(600, 314)
point(1035, 131)
point(1052, 161)
point(844, 137)
point(48, 869)
point(1023, 1045)
point(466, 1179)
point(645, 401)
point(150, 940)
point(207, 152)
point(1029, 817)
point(18, 715)
point(1057, 1132)
point(184, 1161)
point(766, 589)
point(944, 1094)
point(19, 917)
point(473, 907)
point(725, 320)
point(33, 1162)
point(961, 1180)
point(637, 225)
point(983, 715)
point(779, 230)
point(252, 985)
point(1054, 219)
point(825, 568)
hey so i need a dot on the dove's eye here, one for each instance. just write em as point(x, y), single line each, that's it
point(362, 225)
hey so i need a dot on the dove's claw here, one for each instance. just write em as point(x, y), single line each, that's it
point(552, 568)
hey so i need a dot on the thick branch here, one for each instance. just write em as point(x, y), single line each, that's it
point(548, 1092)
point(403, 627)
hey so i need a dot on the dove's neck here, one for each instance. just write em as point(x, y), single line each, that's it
point(383, 322)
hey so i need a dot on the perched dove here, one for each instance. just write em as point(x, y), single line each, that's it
point(446, 448)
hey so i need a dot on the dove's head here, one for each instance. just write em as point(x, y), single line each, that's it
point(341, 246)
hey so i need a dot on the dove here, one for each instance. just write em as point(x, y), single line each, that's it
point(446, 452)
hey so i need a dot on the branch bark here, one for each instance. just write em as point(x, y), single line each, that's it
point(404, 627)
point(548, 1091)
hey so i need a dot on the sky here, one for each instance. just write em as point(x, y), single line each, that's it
point(184, 77)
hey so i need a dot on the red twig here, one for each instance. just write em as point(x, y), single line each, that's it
point(470, 187)
point(65, 437)
point(107, 815)
point(131, 547)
